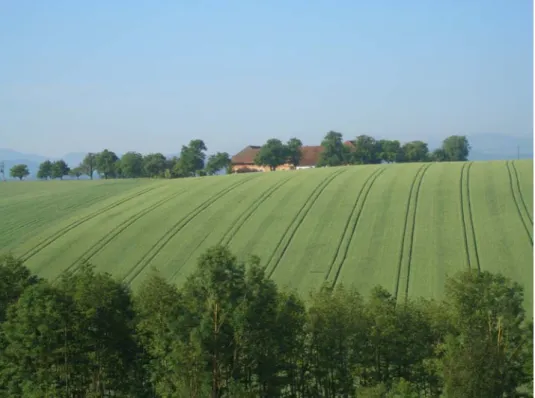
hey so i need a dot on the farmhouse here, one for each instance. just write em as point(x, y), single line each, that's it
point(243, 161)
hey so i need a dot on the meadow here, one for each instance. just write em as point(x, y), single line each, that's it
point(405, 227)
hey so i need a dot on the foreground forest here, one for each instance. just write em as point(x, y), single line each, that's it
point(229, 331)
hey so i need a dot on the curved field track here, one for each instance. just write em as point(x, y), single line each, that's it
point(405, 227)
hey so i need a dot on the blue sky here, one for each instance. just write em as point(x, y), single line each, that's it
point(150, 76)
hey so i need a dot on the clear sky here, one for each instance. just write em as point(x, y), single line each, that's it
point(151, 75)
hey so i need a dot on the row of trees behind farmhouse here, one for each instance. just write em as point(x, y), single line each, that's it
point(193, 160)
point(230, 331)
point(363, 150)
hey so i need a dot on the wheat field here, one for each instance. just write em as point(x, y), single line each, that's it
point(405, 227)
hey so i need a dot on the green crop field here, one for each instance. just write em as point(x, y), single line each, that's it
point(405, 226)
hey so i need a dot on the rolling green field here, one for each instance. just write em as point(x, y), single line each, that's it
point(405, 226)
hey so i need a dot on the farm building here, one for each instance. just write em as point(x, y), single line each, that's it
point(244, 160)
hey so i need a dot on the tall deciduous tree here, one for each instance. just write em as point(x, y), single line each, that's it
point(154, 165)
point(164, 332)
point(103, 319)
point(335, 152)
point(19, 171)
point(45, 170)
point(105, 163)
point(217, 162)
point(293, 147)
point(14, 278)
point(415, 151)
point(59, 169)
point(390, 151)
point(131, 165)
point(367, 150)
point(486, 354)
point(191, 160)
point(438, 155)
point(215, 291)
point(76, 172)
point(456, 148)
point(38, 332)
point(338, 329)
point(89, 164)
point(272, 154)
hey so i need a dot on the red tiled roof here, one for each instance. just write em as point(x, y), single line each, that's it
point(310, 155)
point(246, 155)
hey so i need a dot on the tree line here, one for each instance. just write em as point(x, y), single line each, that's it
point(229, 331)
point(193, 160)
point(363, 150)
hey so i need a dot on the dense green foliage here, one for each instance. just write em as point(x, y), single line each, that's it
point(19, 171)
point(230, 331)
point(274, 153)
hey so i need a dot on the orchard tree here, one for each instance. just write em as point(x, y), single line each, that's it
point(59, 169)
point(76, 172)
point(367, 150)
point(154, 164)
point(335, 153)
point(272, 154)
point(169, 167)
point(131, 164)
point(438, 155)
point(415, 151)
point(19, 171)
point(106, 163)
point(191, 160)
point(456, 148)
point(390, 151)
point(88, 165)
point(119, 169)
point(217, 162)
point(293, 147)
point(45, 170)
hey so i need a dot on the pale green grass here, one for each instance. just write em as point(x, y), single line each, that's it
point(52, 203)
point(177, 258)
point(307, 260)
point(438, 247)
point(350, 225)
point(525, 178)
point(270, 224)
point(131, 248)
point(84, 241)
point(502, 242)
point(375, 249)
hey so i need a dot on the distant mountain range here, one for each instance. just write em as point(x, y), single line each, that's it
point(485, 146)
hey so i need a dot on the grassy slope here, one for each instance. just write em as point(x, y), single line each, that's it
point(401, 226)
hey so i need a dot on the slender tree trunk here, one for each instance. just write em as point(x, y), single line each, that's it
point(215, 373)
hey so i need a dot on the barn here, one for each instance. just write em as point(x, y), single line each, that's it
point(243, 161)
